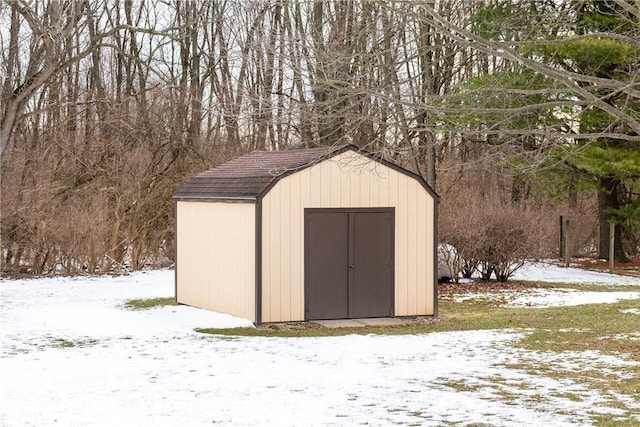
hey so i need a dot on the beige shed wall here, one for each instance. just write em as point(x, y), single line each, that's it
point(216, 256)
point(348, 180)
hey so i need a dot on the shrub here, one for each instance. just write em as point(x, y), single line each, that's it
point(491, 238)
point(510, 236)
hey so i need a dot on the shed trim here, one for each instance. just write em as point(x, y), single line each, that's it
point(258, 262)
point(175, 261)
point(250, 199)
point(435, 262)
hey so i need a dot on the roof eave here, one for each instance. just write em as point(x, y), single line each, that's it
point(202, 198)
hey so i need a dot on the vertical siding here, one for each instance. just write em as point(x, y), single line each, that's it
point(421, 253)
point(365, 178)
point(412, 249)
point(431, 255)
point(335, 176)
point(376, 187)
point(266, 267)
point(402, 245)
point(274, 246)
point(344, 181)
point(295, 273)
point(355, 196)
point(216, 256)
point(285, 246)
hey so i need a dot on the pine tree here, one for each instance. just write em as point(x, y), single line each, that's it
point(597, 42)
point(612, 164)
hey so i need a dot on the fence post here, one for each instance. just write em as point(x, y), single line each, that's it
point(561, 241)
point(612, 241)
point(567, 243)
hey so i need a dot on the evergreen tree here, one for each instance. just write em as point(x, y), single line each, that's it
point(611, 164)
point(596, 41)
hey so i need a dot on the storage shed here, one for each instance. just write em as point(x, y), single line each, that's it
point(307, 234)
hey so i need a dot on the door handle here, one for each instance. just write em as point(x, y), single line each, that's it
point(351, 266)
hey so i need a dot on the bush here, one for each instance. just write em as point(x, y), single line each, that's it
point(509, 237)
point(491, 238)
point(456, 238)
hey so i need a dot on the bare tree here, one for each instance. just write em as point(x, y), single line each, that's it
point(106, 107)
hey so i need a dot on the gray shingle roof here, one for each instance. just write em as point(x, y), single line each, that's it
point(248, 176)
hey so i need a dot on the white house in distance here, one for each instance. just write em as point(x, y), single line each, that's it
point(307, 234)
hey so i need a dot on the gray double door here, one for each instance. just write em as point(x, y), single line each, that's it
point(349, 257)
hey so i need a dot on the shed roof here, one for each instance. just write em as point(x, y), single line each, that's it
point(249, 176)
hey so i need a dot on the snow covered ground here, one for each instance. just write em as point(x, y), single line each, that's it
point(547, 272)
point(72, 355)
point(541, 298)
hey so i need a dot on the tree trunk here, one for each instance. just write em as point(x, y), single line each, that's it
point(607, 200)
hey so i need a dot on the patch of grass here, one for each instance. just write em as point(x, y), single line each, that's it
point(526, 394)
point(570, 396)
point(62, 343)
point(287, 333)
point(570, 329)
point(585, 327)
point(144, 304)
point(65, 343)
point(568, 332)
point(461, 386)
point(589, 287)
point(616, 421)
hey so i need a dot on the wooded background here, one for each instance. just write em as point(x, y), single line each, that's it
point(516, 112)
